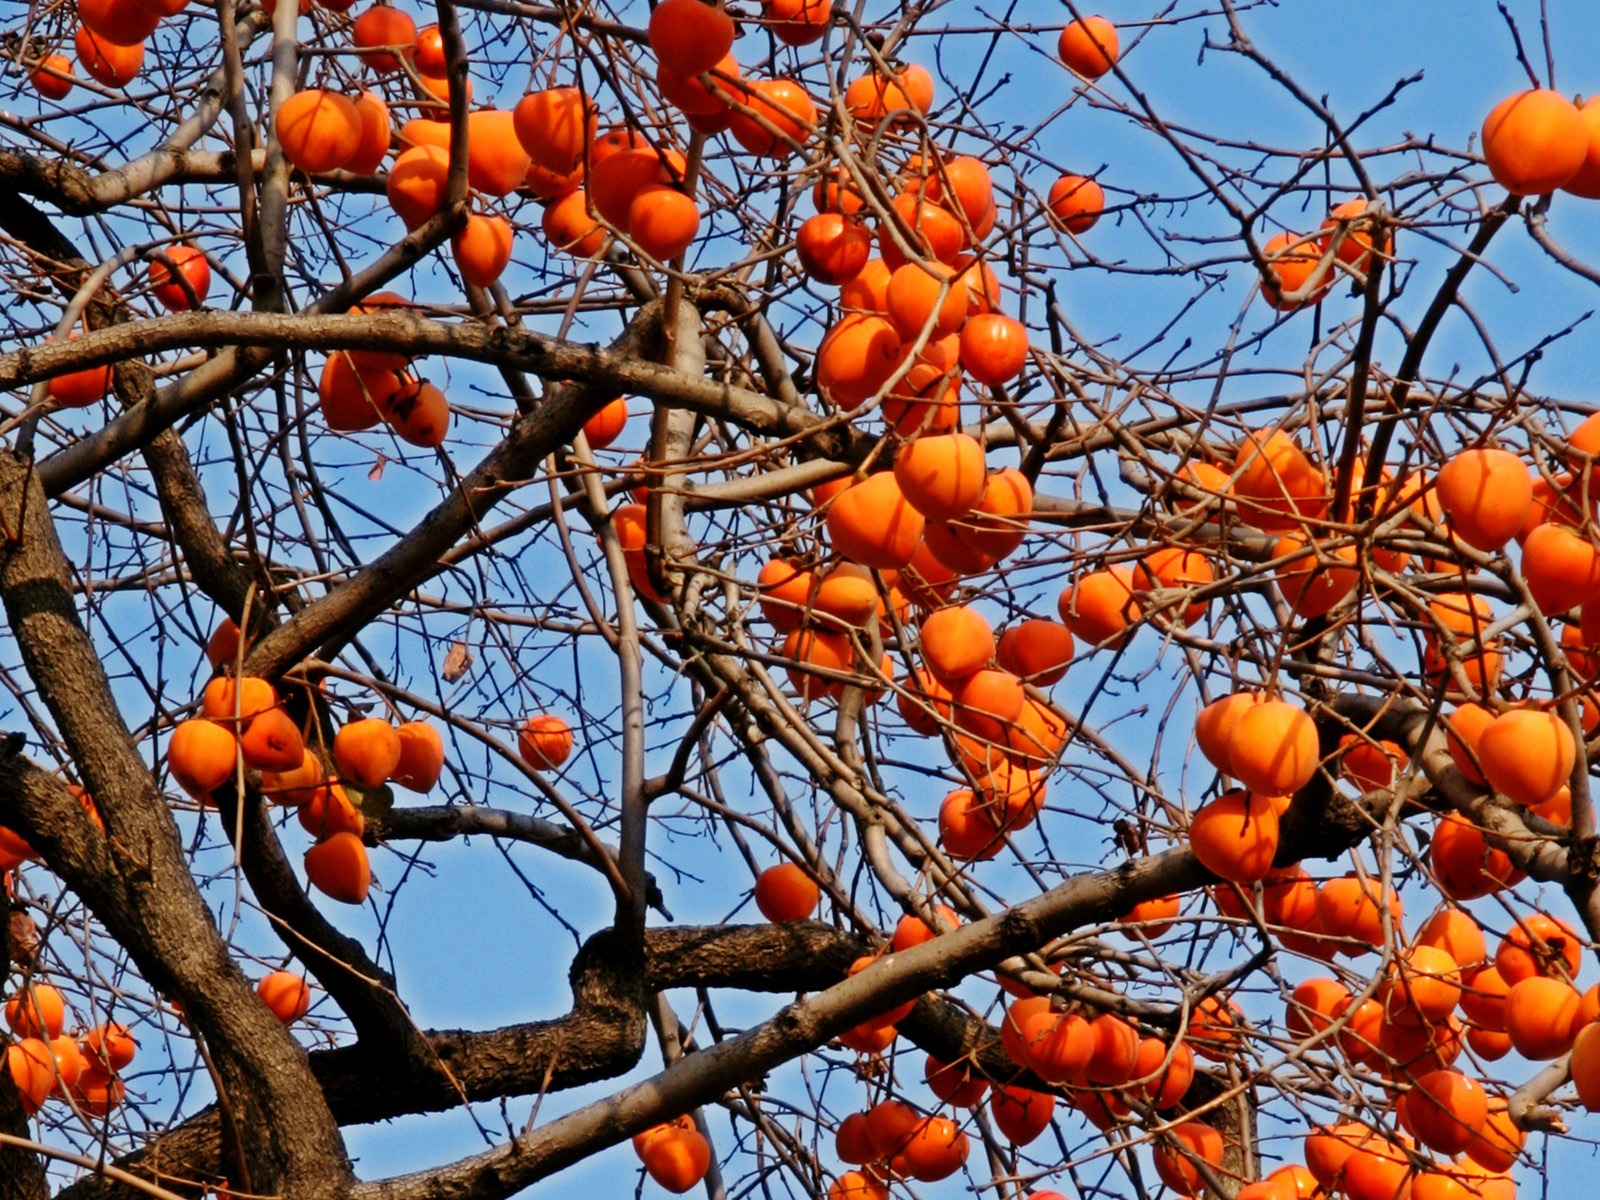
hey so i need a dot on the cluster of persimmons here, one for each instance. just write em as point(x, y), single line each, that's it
point(919, 318)
point(902, 544)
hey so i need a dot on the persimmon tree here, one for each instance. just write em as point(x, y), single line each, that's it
point(988, 668)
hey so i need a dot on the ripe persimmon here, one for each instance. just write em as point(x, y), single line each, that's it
point(337, 867)
point(109, 1047)
point(497, 163)
point(37, 1010)
point(689, 36)
point(482, 248)
point(1534, 141)
point(1099, 608)
point(202, 756)
point(956, 642)
point(1176, 1167)
point(329, 810)
point(872, 523)
point(1348, 907)
point(421, 756)
point(1315, 579)
point(662, 221)
point(31, 1067)
point(942, 476)
point(1175, 568)
point(545, 741)
point(1235, 837)
point(351, 398)
point(366, 752)
point(379, 26)
point(1562, 567)
point(121, 22)
point(1076, 203)
point(286, 994)
point(833, 248)
point(1275, 485)
point(1526, 755)
point(857, 1185)
point(994, 348)
point(1444, 1109)
point(1295, 274)
point(1539, 944)
point(786, 893)
point(968, 827)
point(1358, 225)
point(298, 785)
point(569, 226)
point(927, 399)
point(1273, 748)
point(782, 116)
point(1485, 494)
point(104, 61)
point(1019, 1114)
point(856, 358)
point(872, 97)
point(1037, 650)
point(555, 126)
point(236, 701)
point(1540, 1012)
point(272, 742)
point(1090, 47)
point(318, 130)
point(416, 184)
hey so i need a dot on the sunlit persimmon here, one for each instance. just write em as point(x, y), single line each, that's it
point(379, 26)
point(1177, 1168)
point(833, 248)
point(1037, 650)
point(1534, 141)
point(954, 1083)
point(421, 756)
point(318, 130)
point(969, 828)
point(338, 868)
point(1526, 755)
point(202, 756)
point(1539, 944)
point(1089, 46)
point(569, 226)
point(298, 785)
point(1076, 203)
point(1539, 1016)
point(1099, 608)
point(1274, 484)
point(1314, 578)
point(545, 741)
point(121, 22)
point(873, 524)
point(1019, 1114)
point(1273, 748)
point(856, 358)
point(1484, 494)
point(1295, 273)
point(781, 116)
point(1352, 908)
point(286, 994)
point(416, 184)
point(786, 893)
point(1235, 837)
point(941, 476)
point(1175, 568)
point(105, 61)
point(366, 751)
